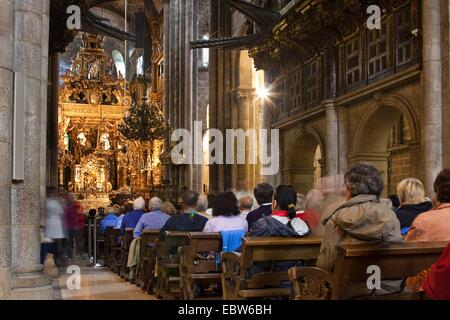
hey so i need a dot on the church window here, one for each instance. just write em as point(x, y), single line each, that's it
point(312, 71)
point(353, 61)
point(295, 89)
point(377, 50)
point(403, 35)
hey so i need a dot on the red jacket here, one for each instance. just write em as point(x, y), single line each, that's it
point(437, 283)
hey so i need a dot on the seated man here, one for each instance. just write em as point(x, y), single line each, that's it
point(189, 219)
point(362, 219)
point(263, 194)
point(131, 219)
point(153, 220)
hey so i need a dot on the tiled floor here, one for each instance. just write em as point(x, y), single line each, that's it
point(98, 284)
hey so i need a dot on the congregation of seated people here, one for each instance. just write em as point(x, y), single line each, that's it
point(357, 214)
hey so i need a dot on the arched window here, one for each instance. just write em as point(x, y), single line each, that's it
point(119, 62)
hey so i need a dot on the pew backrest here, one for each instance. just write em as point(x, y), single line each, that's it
point(199, 255)
point(395, 262)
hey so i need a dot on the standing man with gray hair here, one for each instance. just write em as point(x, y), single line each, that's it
point(153, 220)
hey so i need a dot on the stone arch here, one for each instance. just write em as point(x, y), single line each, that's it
point(394, 101)
point(299, 168)
point(388, 136)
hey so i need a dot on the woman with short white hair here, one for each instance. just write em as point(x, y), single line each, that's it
point(413, 202)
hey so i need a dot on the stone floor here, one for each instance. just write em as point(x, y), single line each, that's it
point(98, 283)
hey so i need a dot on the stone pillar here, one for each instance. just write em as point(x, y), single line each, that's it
point(6, 111)
point(244, 99)
point(332, 138)
point(343, 139)
point(432, 92)
point(28, 282)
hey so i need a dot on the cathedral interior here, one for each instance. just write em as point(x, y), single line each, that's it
point(93, 92)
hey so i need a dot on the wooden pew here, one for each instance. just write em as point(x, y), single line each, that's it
point(108, 239)
point(198, 263)
point(396, 262)
point(115, 250)
point(127, 238)
point(168, 265)
point(146, 256)
point(240, 282)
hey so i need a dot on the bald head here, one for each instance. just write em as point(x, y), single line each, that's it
point(245, 203)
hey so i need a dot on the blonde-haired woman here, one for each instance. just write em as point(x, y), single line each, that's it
point(413, 202)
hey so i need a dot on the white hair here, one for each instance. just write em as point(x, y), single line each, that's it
point(202, 204)
point(139, 204)
point(155, 203)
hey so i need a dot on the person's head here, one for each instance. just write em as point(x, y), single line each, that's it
point(263, 193)
point(109, 210)
point(225, 204)
point(189, 200)
point(155, 203)
point(92, 213)
point(411, 191)
point(395, 200)
point(314, 199)
point(245, 203)
point(211, 197)
point(128, 207)
point(442, 186)
point(169, 208)
point(202, 204)
point(363, 179)
point(139, 204)
point(285, 199)
point(101, 211)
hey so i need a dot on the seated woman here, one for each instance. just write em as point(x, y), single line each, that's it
point(284, 221)
point(434, 225)
point(226, 214)
point(413, 202)
point(361, 219)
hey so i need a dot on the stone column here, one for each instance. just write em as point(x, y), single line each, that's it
point(432, 92)
point(244, 99)
point(343, 139)
point(6, 111)
point(332, 138)
point(28, 282)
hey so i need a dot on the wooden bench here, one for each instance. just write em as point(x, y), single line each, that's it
point(168, 265)
point(127, 238)
point(239, 280)
point(108, 239)
point(396, 262)
point(146, 257)
point(198, 263)
point(115, 250)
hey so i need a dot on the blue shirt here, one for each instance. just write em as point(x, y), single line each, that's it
point(153, 220)
point(119, 221)
point(130, 220)
point(109, 221)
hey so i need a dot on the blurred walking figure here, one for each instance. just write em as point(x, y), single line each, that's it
point(54, 222)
